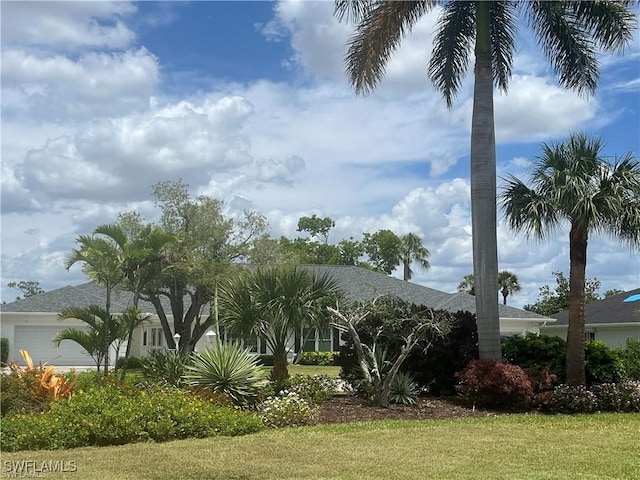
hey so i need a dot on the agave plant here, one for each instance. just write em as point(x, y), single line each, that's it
point(403, 389)
point(227, 369)
point(165, 367)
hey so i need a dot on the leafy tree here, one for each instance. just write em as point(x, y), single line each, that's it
point(29, 288)
point(207, 249)
point(350, 252)
point(274, 304)
point(468, 284)
point(571, 34)
point(412, 250)
point(573, 183)
point(612, 292)
point(508, 284)
point(383, 249)
point(399, 321)
point(316, 226)
point(557, 300)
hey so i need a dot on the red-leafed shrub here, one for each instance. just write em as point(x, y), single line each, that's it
point(489, 383)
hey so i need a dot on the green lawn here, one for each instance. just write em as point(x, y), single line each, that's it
point(595, 447)
point(332, 372)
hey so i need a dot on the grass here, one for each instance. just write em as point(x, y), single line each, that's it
point(527, 447)
point(330, 371)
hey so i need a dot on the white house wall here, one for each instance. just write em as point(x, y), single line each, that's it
point(614, 336)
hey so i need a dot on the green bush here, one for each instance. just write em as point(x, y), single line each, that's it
point(603, 365)
point(434, 370)
point(318, 358)
point(19, 394)
point(165, 367)
point(630, 356)
point(4, 351)
point(287, 410)
point(266, 360)
point(132, 362)
point(116, 416)
point(311, 388)
point(403, 389)
point(535, 352)
point(489, 383)
point(227, 369)
point(612, 397)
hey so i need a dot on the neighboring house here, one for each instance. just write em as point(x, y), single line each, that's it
point(611, 320)
point(32, 323)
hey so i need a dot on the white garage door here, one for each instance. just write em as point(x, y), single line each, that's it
point(38, 342)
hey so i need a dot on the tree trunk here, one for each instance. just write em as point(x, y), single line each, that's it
point(575, 362)
point(407, 270)
point(279, 371)
point(505, 294)
point(483, 193)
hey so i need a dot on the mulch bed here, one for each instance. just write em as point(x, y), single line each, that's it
point(344, 409)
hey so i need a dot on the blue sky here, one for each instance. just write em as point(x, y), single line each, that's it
point(248, 102)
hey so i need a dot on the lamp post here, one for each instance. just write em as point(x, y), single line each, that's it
point(210, 336)
point(176, 339)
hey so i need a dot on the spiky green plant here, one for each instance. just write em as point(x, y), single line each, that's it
point(403, 389)
point(227, 369)
point(165, 367)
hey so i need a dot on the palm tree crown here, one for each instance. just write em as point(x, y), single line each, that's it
point(412, 250)
point(571, 34)
point(573, 184)
point(508, 284)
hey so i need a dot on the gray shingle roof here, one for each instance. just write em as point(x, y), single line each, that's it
point(608, 310)
point(358, 283)
point(361, 284)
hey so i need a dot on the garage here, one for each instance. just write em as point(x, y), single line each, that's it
point(38, 341)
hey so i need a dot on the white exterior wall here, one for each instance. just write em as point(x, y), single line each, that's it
point(614, 336)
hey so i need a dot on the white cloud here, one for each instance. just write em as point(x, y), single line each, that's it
point(94, 85)
point(67, 25)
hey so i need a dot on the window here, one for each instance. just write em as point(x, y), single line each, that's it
point(153, 337)
point(314, 340)
point(589, 336)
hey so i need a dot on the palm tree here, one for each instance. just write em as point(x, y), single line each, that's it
point(508, 284)
point(571, 34)
point(468, 284)
point(412, 250)
point(572, 182)
point(102, 262)
point(274, 304)
point(97, 338)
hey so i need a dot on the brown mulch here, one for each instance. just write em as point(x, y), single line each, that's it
point(343, 409)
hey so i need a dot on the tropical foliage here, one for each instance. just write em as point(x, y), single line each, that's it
point(572, 183)
point(412, 250)
point(226, 369)
point(274, 304)
point(571, 35)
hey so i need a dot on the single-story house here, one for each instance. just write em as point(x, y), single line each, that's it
point(32, 323)
point(611, 320)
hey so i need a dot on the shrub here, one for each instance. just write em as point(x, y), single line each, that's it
point(287, 410)
point(4, 351)
point(535, 352)
point(567, 399)
point(434, 370)
point(266, 360)
point(318, 358)
point(403, 389)
point(32, 388)
point(227, 369)
point(314, 389)
point(603, 365)
point(630, 356)
point(165, 367)
point(116, 416)
point(489, 383)
point(132, 363)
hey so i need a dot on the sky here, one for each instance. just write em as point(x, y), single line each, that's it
point(249, 102)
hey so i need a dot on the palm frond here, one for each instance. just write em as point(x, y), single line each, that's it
point(609, 23)
point(114, 232)
point(569, 48)
point(504, 23)
point(377, 36)
point(352, 11)
point(452, 48)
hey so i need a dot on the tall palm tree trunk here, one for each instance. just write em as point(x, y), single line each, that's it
point(407, 269)
point(483, 192)
point(575, 332)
